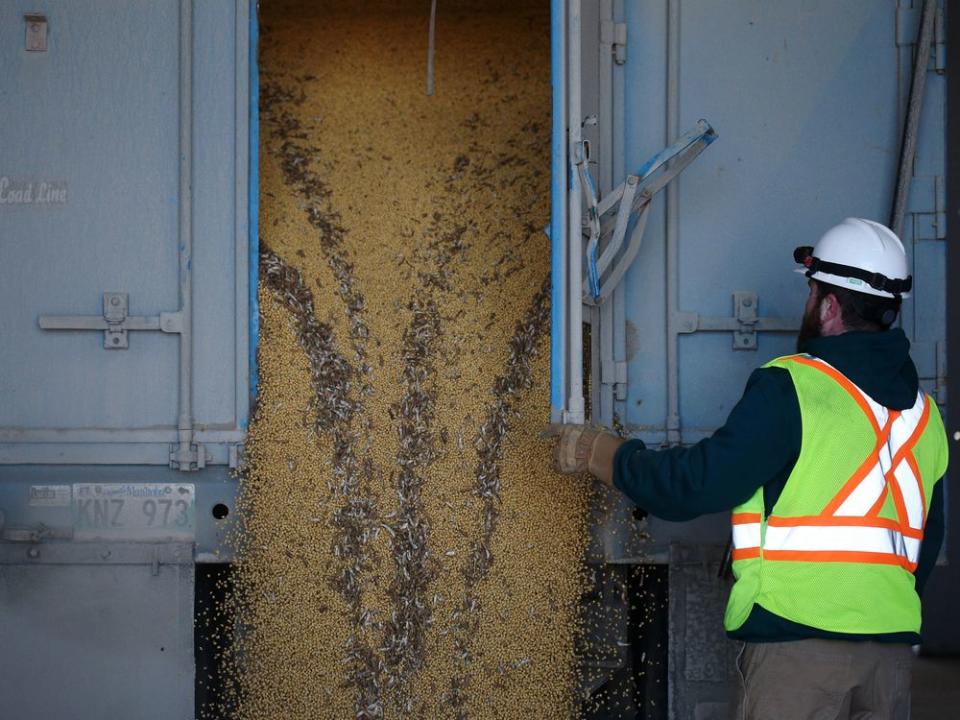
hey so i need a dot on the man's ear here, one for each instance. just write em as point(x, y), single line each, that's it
point(829, 307)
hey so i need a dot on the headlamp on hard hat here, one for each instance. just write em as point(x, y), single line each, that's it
point(804, 255)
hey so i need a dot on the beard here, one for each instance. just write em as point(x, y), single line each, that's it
point(811, 327)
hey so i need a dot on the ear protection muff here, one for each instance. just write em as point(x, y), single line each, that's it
point(882, 313)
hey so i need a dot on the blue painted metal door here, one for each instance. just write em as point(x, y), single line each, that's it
point(90, 203)
point(809, 100)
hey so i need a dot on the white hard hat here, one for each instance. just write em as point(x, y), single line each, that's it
point(859, 255)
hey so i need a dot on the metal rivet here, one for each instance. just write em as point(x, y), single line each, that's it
point(33, 553)
point(956, 435)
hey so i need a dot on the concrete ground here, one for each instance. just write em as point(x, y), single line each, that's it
point(936, 688)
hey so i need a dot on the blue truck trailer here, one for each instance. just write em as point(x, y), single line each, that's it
point(128, 278)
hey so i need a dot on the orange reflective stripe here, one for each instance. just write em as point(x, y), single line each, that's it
point(839, 556)
point(878, 505)
point(845, 384)
point(873, 458)
point(912, 533)
point(890, 477)
point(907, 450)
point(860, 538)
point(843, 521)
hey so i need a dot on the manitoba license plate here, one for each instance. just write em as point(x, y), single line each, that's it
point(133, 511)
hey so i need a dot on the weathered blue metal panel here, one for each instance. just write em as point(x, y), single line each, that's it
point(808, 102)
point(91, 170)
point(809, 99)
point(96, 112)
point(97, 630)
point(97, 117)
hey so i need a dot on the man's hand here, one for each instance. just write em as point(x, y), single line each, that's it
point(584, 449)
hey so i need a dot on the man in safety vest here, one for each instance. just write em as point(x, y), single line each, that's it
point(831, 465)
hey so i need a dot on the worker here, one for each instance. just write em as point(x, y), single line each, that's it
point(831, 464)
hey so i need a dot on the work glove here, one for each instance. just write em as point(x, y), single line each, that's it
point(581, 448)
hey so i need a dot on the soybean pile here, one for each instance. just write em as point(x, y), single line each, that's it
point(407, 550)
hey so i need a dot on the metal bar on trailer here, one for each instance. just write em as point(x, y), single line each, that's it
point(619, 292)
point(92, 322)
point(574, 412)
point(558, 212)
point(184, 456)
point(603, 412)
point(908, 150)
point(253, 200)
point(67, 436)
point(242, 179)
point(672, 275)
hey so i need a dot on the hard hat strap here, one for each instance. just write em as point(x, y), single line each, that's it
point(878, 281)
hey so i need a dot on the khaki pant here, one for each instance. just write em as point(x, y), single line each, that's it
point(824, 680)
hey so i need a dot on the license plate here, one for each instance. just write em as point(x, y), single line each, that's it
point(133, 511)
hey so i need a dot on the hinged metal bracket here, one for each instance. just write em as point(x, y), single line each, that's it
point(236, 457)
point(745, 323)
point(745, 312)
point(615, 35)
point(115, 321)
point(615, 373)
point(609, 253)
point(188, 457)
point(115, 313)
point(620, 43)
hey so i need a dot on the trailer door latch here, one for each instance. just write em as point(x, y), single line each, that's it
point(745, 313)
point(115, 321)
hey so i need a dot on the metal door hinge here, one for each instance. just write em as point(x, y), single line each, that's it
point(928, 206)
point(615, 374)
point(236, 457)
point(615, 35)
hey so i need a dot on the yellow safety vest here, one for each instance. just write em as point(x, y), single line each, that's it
point(839, 548)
